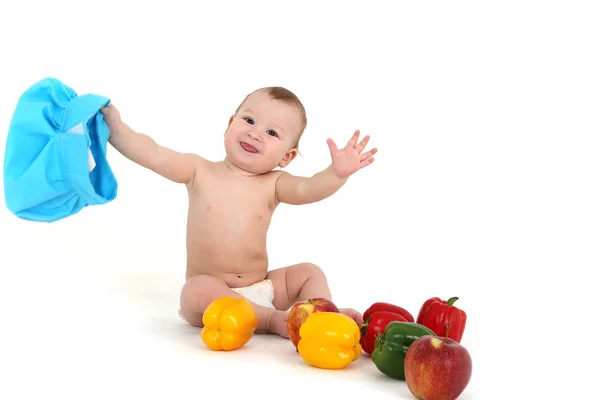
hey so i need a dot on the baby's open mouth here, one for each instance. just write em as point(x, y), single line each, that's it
point(248, 148)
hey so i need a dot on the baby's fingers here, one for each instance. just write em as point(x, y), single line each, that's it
point(363, 143)
point(332, 147)
point(368, 154)
point(367, 162)
point(110, 107)
point(353, 140)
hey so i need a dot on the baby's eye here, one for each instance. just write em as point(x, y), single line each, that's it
point(249, 120)
point(272, 132)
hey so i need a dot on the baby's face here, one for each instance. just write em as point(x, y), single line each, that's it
point(261, 135)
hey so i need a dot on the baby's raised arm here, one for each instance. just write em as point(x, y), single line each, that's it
point(143, 150)
point(345, 162)
point(297, 190)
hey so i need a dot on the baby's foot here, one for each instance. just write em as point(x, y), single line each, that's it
point(352, 313)
point(278, 323)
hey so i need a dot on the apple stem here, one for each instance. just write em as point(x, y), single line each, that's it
point(451, 301)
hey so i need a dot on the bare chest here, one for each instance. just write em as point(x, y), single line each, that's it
point(232, 204)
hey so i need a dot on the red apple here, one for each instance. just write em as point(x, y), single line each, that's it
point(437, 368)
point(301, 310)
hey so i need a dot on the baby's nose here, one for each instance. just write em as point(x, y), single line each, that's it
point(253, 134)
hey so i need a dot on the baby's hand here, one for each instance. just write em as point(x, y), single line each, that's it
point(112, 117)
point(348, 160)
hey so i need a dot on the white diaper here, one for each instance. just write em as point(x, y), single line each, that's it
point(261, 293)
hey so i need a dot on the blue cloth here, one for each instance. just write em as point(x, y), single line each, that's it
point(55, 137)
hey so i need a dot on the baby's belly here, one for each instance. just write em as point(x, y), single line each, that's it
point(238, 265)
point(227, 244)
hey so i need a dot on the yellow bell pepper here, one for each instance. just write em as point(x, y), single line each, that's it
point(329, 340)
point(229, 323)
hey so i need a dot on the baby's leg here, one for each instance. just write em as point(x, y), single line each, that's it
point(201, 290)
point(302, 282)
point(298, 282)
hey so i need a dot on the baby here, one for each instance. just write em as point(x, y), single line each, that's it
point(231, 203)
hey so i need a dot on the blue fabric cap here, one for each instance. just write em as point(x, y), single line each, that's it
point(55, 158)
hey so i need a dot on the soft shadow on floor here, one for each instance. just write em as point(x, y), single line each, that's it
point(150, 303)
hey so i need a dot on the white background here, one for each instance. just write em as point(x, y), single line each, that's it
point(485, 186)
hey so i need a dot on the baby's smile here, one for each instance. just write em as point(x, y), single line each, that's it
point(248, 148)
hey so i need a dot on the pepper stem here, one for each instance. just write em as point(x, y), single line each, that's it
point(451, 301)
point(364, 325)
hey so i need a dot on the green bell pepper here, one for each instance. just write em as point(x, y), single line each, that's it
point(391, 346)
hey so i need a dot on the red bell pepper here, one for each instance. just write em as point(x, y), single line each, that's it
point(436, 313)
point(374, 325)
point(376, 318)
point(380, 306)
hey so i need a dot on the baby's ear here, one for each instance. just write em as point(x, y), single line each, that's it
point(229, 124)
point(288, 157)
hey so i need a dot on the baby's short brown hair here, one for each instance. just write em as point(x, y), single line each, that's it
point(288, 97)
